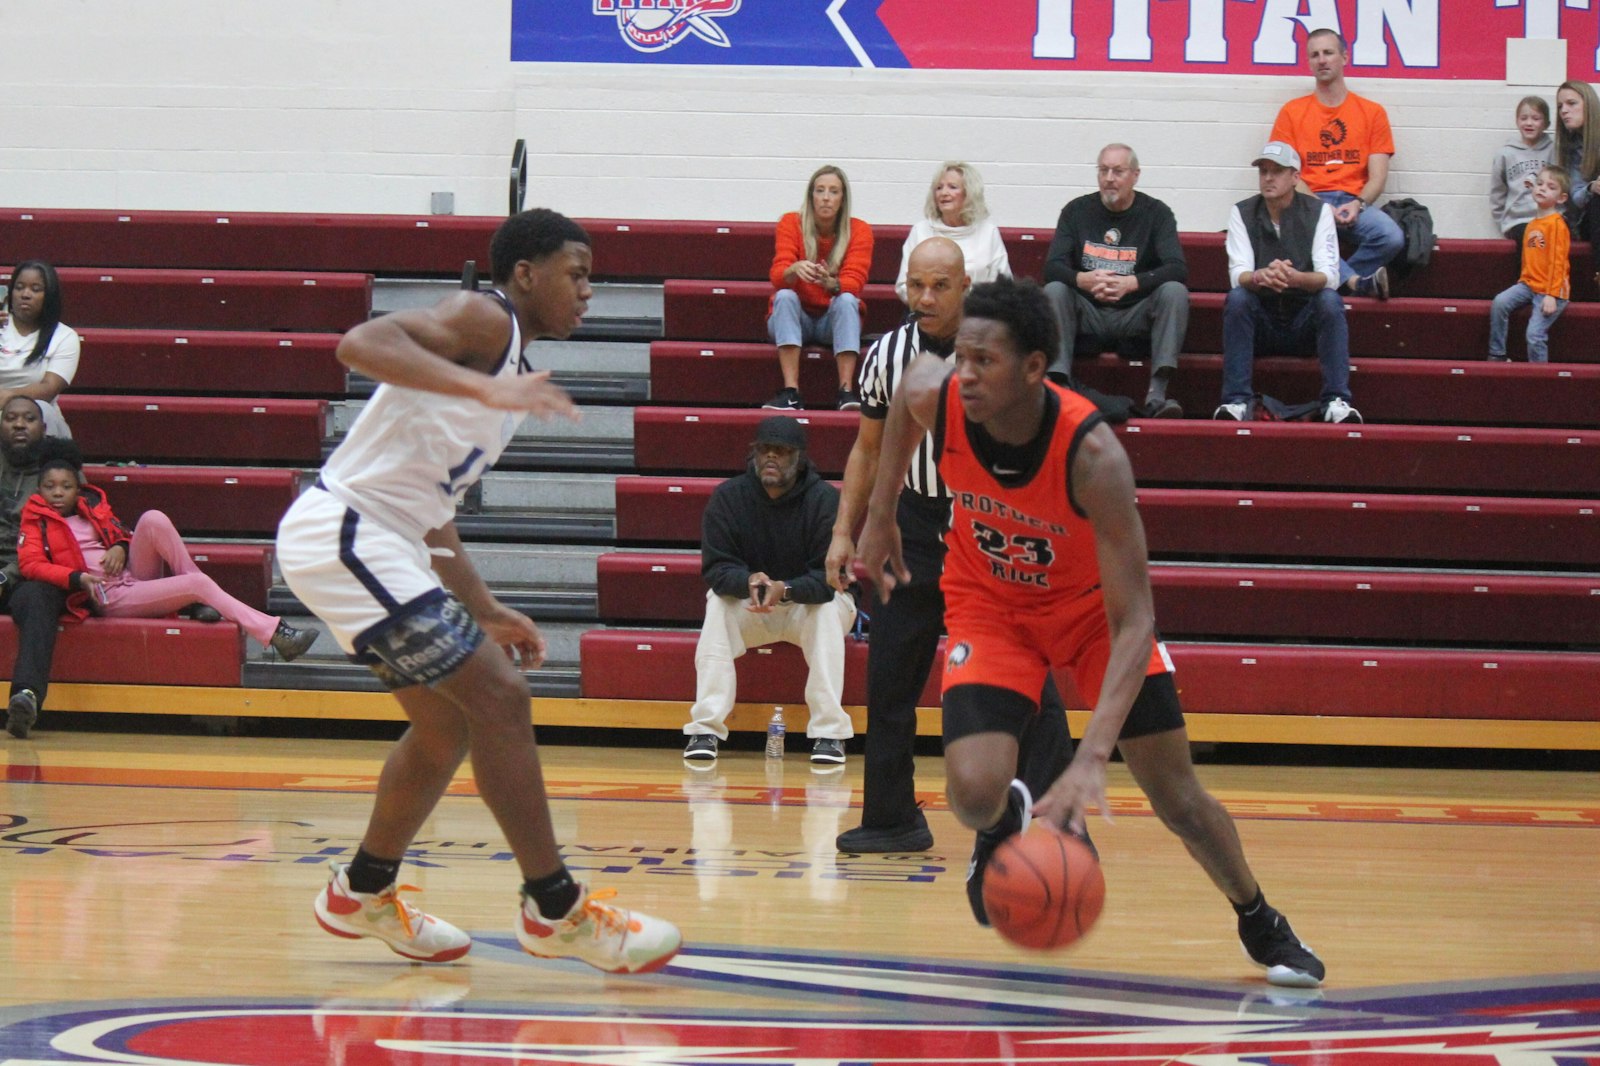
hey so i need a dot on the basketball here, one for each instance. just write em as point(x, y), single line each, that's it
point(1043, 889)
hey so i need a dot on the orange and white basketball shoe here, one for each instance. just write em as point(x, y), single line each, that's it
point(345, 912)
point(607, 938)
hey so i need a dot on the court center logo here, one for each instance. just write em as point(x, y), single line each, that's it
point(656, 25)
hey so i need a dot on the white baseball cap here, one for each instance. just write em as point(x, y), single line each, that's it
point(1279, 153)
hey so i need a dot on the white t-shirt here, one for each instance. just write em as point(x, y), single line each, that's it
point(980, 243)
point(61, 358)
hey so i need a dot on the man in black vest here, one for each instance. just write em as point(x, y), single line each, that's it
point(1283, 264)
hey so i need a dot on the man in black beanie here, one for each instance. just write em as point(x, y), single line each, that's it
point(763, 543)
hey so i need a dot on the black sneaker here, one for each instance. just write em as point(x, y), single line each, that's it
point(1019, 812)
point(828, 750)
point(201, 612)
point(848, 400)
point(702, 747)
point(21, 713)
point(291, 643)
point(877, 840)
point(785, 400)
point(1272, 945)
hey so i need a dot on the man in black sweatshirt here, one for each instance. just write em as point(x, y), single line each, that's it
point(1116, 272)
point(763, 546)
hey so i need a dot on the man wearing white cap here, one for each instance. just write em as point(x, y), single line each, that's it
point(1283, 266)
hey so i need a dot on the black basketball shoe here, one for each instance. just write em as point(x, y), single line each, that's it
point(1272, 945)
point(1019, 812)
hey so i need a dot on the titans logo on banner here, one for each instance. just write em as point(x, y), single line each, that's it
point(656, 25)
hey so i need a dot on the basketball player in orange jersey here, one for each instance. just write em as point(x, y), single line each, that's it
point(1047, 568)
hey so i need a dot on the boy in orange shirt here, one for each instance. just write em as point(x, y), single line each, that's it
point(1546, 271)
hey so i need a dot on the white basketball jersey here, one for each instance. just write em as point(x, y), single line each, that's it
point(412, 455)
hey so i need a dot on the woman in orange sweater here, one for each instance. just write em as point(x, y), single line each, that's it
point(819, 270)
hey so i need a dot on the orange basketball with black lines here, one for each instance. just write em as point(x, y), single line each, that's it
point(1043, 889)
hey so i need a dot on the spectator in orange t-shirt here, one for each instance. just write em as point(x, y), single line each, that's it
point(819, 270)
point(1345, 145)
point(1546, 271)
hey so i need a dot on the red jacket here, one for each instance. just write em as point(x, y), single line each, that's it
point(48, 551)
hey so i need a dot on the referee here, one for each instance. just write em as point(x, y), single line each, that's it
point(906, 630)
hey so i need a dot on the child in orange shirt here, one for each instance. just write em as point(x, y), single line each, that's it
point(1546, 271)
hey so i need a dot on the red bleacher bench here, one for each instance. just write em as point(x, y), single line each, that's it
point(1411, 327)
point(243, 570)
point(1183, 451)
point(1458, 393)
point(213, 299)
point(210, 362)
point(140, 651)
point(1212, 678)
point(1384, 390)
point(1233, 525)
point(659, 665)
point(219, 429)
point(1240, 602)
point(236, 501)
point(1416, 328)
point(632, 249)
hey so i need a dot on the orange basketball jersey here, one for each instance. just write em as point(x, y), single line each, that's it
point(1019, 546)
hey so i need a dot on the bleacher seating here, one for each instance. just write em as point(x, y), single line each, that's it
point(1184, 451)
point(1436, 562)
point(213, 299)
point(1390, 390)
point(1233, 602)
point(1213, 678)
point(207, 362)
point(141, 651)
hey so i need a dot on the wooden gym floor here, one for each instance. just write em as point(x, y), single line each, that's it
point(157, 894)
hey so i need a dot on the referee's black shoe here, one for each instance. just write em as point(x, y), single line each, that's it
point(1273, 946)
point(880, 839)
point(1019, 812)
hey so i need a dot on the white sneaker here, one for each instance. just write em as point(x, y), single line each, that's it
point(1340, 411)
point(1234, 412)
point(345, 912)
point(607, 938)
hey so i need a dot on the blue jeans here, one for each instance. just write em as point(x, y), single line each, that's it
point(839, 326)
point(1377, 237)
point(1539, 323)
point(1249, 330)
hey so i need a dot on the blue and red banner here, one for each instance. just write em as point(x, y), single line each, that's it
point(1388, 38)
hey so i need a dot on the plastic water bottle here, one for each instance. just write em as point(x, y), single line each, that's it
point(775, 732)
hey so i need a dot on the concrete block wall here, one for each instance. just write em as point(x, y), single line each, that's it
point(371, 105)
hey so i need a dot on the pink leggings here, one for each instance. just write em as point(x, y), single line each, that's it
point(144, 593)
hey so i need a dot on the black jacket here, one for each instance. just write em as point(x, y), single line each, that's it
point(744, 531)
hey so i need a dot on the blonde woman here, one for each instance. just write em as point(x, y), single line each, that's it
point(1578, 151)
point(819, 271)
point(955, 209)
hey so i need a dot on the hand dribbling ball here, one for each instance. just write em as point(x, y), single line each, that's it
point(1043, 888)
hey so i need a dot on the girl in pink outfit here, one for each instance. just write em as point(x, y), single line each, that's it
point(71, 538)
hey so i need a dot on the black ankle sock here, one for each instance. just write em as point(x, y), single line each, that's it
point(1253, 908)
point(554, 894)
point(368, 873)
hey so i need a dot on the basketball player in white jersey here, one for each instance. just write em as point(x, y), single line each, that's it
point(373, 550)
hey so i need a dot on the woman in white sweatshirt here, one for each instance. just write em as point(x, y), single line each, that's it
point(955, 209)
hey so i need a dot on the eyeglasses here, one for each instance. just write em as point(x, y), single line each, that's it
point(1113, 172)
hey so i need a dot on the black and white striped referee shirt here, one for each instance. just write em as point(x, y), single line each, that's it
point(880, 375)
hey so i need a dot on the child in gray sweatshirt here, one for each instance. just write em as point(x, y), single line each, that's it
point(1515, 166)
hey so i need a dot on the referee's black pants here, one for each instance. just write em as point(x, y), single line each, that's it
point(904, 639)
